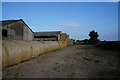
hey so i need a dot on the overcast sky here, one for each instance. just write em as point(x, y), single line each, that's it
point(74, 18)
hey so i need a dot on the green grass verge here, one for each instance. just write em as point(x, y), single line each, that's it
point(81, 44)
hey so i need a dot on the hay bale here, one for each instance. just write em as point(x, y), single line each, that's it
point(0, 55)
point(55, 45)
point(26, 50)
point(4, 57)
point(69, 42)
point(14, 52)
point(35, 48)
point(62, 44)
point(45, 47)
point(48, 46)
point(42, 47)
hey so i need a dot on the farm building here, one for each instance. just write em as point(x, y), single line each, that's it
point(52, 36)
point(16, 30)
point(47, 36)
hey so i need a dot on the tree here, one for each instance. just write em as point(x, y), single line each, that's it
point(73, 40)
point(93, 37)
point(77, 40)
point(85, 41)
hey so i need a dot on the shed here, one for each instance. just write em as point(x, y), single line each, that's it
point(47, 36)
point(16, 30)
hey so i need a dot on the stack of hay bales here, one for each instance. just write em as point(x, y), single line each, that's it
point(70, 42)
point(65, 37)
point(14, 52)
point(62, 44)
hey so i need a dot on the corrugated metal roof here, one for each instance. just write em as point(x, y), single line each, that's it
point(7, 22)
point(50, 33)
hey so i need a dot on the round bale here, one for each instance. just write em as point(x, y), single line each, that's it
point(14, 52)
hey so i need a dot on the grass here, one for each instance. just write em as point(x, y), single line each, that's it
point(81, 44)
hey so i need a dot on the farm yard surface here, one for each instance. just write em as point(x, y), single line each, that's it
point(77, 61)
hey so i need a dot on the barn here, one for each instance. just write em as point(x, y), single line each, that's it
point(47, 36)
point(16, 30)
point(52, 36)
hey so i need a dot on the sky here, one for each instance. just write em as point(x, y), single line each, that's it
point(60, 0)
point(74, 18)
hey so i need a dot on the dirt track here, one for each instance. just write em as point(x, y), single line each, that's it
point(71, 62)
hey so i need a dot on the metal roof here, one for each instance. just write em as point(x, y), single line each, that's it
point(50, 33)
point(7, 22)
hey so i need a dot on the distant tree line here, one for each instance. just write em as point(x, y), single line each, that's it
point(92, 40)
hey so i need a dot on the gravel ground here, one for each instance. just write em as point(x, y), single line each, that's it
point(71, 62)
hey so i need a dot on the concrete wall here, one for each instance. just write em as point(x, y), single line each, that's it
point(15, 31)
point(18, 31)
point(58, 37)
point(27, 34)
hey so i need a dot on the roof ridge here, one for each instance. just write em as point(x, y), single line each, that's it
point(48, 31)
point(13, 20)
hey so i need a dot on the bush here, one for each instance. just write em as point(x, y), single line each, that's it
point(85, 41)
point(109, 45)
point(93, 41)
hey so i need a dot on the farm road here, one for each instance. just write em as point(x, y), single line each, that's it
point(70, 62)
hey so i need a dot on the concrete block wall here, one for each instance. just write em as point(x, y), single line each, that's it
point(18, 31)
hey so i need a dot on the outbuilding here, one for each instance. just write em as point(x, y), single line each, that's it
point(47, 36)
point(16, 30)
